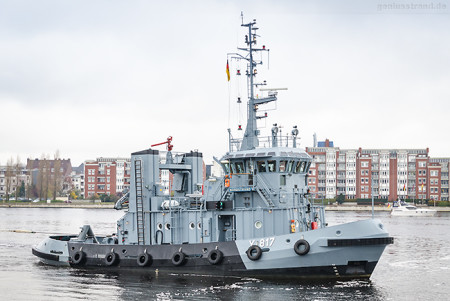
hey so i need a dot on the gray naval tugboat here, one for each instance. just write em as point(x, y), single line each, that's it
point(257, 220)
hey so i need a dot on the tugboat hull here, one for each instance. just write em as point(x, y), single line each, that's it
point(332, 254)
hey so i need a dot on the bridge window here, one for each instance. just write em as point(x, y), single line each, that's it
point(298, 166)
point(283, 165)
point(290, 166)
point(261, 166)
point(308, 164)
point(233, 168)
point(272, 165)
point(303, 168)
point(226, 166)
point(240, 167)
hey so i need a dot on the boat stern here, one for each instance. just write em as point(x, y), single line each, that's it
point(53, 250)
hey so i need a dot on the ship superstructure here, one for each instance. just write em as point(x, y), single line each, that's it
point(256, 220)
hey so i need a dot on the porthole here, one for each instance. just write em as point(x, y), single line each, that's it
point(167, 226)
point(191, 225)
point(199, 225)
point(124, 251)
point(258, 224)
point(338, 233)
point(159, 226)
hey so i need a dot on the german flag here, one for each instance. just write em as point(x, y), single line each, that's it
point(228, 71)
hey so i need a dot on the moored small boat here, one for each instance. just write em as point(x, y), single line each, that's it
point(401, 208)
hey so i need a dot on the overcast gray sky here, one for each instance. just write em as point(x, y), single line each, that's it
point(107, 78)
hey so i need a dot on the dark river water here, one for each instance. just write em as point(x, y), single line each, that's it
point(415, 267)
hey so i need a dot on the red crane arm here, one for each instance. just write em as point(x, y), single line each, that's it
point(169, 146)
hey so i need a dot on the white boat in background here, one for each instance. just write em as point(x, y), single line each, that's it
point(401, 208)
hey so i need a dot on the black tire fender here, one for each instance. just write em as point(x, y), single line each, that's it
point(254, 253)
point(301, 247)
point(79, 258)
point(215, 257)
point(144, 259)
point(111, 258)
point(178, 258)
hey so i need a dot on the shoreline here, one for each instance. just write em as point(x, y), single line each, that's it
point(111, 206)
point(60, 205)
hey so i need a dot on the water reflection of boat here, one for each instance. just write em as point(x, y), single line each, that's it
point(401, 208)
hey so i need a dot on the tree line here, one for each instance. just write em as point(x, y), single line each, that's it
point(44, 183)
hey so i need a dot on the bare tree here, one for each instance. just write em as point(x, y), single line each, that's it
point(17, 171)
point(9, 174)
point(56, 175)
point(44, 177)
point(41, 177)
point(47, 169)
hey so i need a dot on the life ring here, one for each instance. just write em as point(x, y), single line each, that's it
point(79, 257)
point(215, 256)
point(298, 247)
point(144, 259)
point(227, 182)
point(254, 253)
point(111, 258)
point(178, 258)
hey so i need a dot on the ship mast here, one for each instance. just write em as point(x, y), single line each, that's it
point(250, 140)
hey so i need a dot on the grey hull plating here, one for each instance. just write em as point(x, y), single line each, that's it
point(327, 258)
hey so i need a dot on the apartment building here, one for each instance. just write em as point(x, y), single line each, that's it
point(11, 180)
point(50, 175)
point(384, 173)
point(106, 176)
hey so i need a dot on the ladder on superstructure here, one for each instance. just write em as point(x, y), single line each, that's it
point(139, 201)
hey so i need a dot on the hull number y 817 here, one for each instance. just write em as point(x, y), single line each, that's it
point(263, 242)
